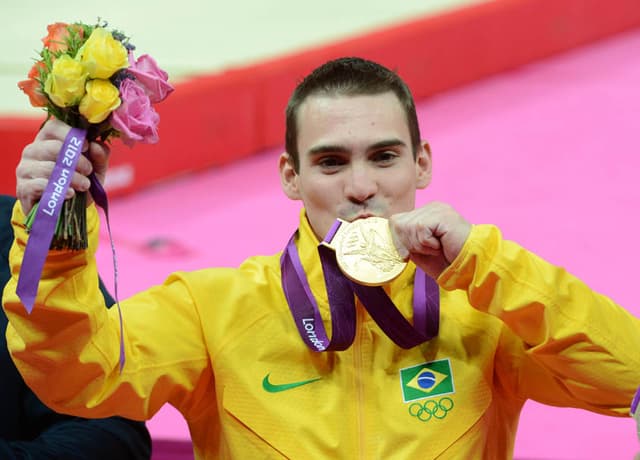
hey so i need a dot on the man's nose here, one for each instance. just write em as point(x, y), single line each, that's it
point(361, 184)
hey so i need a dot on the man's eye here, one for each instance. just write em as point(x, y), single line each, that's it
point(384, 157)
point(330, 162)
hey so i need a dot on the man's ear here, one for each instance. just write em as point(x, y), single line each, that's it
point(423, 166)
point(288, 177)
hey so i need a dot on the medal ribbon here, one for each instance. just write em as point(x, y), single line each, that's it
point(46, 218)
point(635, 411)
point(340, 293)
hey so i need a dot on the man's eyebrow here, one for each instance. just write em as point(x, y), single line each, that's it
point(387, 143)
point(329, 148)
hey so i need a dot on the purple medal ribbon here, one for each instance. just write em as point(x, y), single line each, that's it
point(635, 402)
point(635, 411)
point(305, 308)
point(340, 292)
point(46, 219)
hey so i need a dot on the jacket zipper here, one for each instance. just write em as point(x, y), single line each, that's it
point(357, 361)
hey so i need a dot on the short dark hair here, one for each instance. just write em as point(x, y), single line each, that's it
point(349, 76)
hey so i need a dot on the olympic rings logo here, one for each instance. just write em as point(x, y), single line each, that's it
point(431, 408)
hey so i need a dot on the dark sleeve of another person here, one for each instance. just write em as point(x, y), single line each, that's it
point(30, 430)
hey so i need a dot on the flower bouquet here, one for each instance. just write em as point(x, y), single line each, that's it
point(88, 77)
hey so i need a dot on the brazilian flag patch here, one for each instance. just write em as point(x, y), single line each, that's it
point(426, 380)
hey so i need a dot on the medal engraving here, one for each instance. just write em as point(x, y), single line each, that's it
point(365, 251)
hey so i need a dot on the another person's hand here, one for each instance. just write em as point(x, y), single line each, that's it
point(431, 236)
point(39, 158)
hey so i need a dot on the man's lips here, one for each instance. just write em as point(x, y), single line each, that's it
point(359, 216)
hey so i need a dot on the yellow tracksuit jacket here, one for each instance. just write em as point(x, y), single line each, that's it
point(221, 346)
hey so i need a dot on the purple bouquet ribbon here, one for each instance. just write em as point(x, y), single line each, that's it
point(46, 218)
point(340, 293)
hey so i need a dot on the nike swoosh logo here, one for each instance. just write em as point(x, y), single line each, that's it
point(276, 388)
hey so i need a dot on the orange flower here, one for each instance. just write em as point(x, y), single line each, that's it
point(32, 88)
point(56, 40)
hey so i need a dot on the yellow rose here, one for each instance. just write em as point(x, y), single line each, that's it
point(65, 83)
point(102, 54)
point(101, 99)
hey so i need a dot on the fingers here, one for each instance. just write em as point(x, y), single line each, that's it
point(33, 176)
point(432, 265)
point(415, 233)
point(46, 151)
point(53, 129)
point(29, 194)
point(431, 236)
point(38, 160)
point(99, 159)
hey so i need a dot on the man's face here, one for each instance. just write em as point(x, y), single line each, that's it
point(355, 158)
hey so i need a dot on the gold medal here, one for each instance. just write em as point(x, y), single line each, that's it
point(365, 251)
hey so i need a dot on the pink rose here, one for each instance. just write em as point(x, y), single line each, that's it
point(135, 118)
point(152, 78)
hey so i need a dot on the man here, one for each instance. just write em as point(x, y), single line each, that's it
point(336, 381)
point(29, 429)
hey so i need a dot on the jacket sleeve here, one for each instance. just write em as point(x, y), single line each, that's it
point(70, 338)
point(565, 344)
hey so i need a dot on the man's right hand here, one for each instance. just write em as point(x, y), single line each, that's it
point(431, 236)
point(39, 158)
